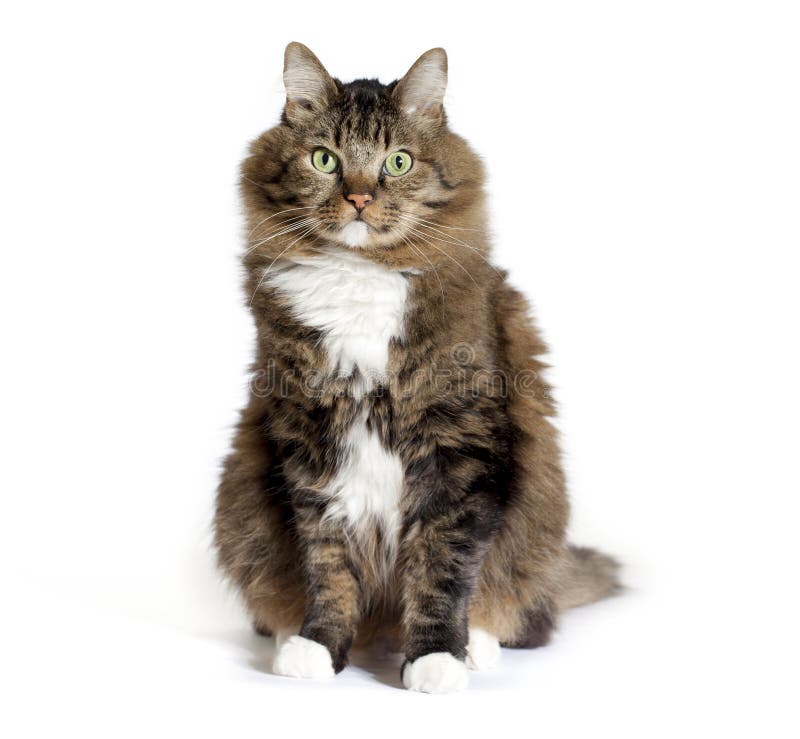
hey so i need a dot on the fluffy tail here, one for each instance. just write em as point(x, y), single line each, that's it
point(590, 576)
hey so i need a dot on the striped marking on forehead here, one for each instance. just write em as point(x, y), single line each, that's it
point(364, 115)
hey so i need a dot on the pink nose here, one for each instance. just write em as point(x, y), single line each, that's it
point(360, 201)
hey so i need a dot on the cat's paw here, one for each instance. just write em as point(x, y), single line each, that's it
point(301, 657)
point(483, 650)
point(438, 672)
point(281, 636)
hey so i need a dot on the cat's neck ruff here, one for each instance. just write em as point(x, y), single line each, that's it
point(356, 304)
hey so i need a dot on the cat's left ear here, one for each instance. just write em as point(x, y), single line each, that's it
point(309, 87)
point(421, 91)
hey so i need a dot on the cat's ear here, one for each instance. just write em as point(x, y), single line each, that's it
point(421, 91)
point(309, 87)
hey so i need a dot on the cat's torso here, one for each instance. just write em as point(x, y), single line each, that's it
point(359, 308)
point(382, 369)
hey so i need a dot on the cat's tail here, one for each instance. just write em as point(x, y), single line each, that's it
point(590, 575)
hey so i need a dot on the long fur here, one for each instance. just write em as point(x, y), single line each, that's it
point(396, 469)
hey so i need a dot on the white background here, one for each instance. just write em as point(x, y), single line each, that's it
point(644, 164)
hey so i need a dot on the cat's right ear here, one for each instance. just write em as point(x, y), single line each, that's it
point(309, 87)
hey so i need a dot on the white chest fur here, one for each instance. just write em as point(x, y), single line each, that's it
point(358, 306)
point(365, 491)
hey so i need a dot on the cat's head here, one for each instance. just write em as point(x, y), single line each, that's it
point(360, 165)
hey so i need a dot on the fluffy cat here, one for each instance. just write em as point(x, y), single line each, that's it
point(395, 471)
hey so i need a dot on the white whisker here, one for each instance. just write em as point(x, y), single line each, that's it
point(449, 239)
point(280, 212)
point(283, 231)
point(435, 271)
point(425, 237)
point(305, 233)
point(440, 225)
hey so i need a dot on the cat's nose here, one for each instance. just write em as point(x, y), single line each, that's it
point(360, 201)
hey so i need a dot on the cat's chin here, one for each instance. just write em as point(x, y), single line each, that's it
point(354, 234)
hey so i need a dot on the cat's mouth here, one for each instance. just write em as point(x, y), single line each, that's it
point(360, 219)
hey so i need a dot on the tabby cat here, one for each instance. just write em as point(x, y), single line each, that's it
point(395, 473)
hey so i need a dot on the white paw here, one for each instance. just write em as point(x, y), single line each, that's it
point(438, 672)
point(301, 657)
point(483, 650)
point(283, 635)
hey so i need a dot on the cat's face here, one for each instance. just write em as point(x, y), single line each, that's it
point(361, 165)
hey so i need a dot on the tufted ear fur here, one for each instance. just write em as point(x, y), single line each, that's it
point(309, 87)
point(421, 91)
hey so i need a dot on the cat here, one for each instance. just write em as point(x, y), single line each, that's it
point(395, 473)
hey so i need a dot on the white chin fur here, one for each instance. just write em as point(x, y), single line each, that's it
point(483, 650)
point(354, 234)
point(438, 672)
point(301, 657)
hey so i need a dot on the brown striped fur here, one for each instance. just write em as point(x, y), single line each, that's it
point(484, 509)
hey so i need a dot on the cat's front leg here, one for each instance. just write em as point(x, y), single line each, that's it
point(441, 555)
point(332, 604)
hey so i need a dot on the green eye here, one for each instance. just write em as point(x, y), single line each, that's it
point(324, 160)
point(398, 163)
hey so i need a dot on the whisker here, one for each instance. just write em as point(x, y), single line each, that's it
point(435, 271)
point(441, 225)
point(447, 238)
point(276, 227)
point(284, 221)
point(282, 231)
point(280, 212)
point(423, 224)
point(424, 237)
point(288, 223)
point(305, 233)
